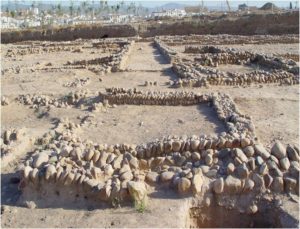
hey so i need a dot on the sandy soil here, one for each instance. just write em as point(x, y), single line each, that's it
point(274, 110)
point(150, 122)
point(238, 68)
point(58, 58)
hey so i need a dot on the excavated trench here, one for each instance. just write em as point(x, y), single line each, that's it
point(218, 217)
point(268, 216)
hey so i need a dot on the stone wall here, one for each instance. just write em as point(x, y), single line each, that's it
point(221, 167)
point(201, 72)
point(198, 74)
point(168, 52)
point(230, 165)
point(114, 62)
point(237, 123)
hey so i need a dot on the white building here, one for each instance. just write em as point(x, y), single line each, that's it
point(10, 23)
point(113, 18)
point(32, 22)
point(79, 20)
point(169, 13)
point(35, 11)
point(158, 14)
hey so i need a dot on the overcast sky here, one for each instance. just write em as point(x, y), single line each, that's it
point(155, 3)
point(218, 2)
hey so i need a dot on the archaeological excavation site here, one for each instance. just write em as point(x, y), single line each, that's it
point(151, 131)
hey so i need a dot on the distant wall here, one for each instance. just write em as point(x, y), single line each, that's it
point(272, 24)
point(69, 33)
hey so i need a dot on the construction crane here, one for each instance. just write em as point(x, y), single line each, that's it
point(227, 2)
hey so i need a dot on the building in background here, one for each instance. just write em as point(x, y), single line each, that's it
point(35, 11)
point(169, 13)
point(11, 23)
point(119, 19)
point(243, 7)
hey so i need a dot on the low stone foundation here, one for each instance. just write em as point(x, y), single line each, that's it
point(200, 71)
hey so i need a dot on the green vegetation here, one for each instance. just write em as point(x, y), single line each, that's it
point(115, 202)
point(12, 14)
point(140, 206)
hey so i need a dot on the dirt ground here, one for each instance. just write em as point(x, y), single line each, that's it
point(274, 111)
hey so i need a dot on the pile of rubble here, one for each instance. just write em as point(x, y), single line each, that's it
point(294, 57)
point(78, 82)
point(4, 101)
point(10, 142)
point(36, 101)
point(236, 122)
point(7, 138)
point(150, 83)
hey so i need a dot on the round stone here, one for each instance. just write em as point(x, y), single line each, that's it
point(249, 151)
point(278, 150)
point(208, 159)
point(166, 176)
point(197, 183)
point(245, 142)
point(285, 163)
point(184, 185)
point(152, 177)
point(261, 151)
point(218, 185)
point(176, 145)
point(252, 209)
point(230, 168)
point(196, 156)
point(195, 144)
point(40, 159)
point(249, 185)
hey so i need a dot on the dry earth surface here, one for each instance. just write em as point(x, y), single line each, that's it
point(274, 110)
